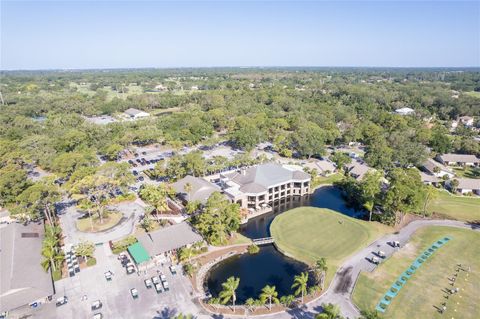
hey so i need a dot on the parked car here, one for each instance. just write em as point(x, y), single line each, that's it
point(130, 270)
point(135, 173)
point(148, 283)
point(165, 285)
point(134, 293)
point(173, 270)
point(163, 278)
point(97, 316)
point(108, 275)
point(155, 280)
point(61, 301)
point(158, 288)
point(97, 304)
point(144, 153)
point(141, 178)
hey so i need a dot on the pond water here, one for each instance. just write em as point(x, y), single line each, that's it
point(269, 266)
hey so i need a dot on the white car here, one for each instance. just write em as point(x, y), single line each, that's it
point(173, 269)
point(97, 316)
point(108, 275)
point(148, 283)
point(155, 280)
point(158, 288)
point(163, 278)
point(165, 285)
point(134, 293)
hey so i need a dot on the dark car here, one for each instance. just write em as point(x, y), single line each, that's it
point(144, 153)
point(138, 160)
point(141, 178)
point(97, 304)
point(61, 301)
point(135, 173)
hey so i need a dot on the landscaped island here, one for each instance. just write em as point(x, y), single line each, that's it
point(309, 233)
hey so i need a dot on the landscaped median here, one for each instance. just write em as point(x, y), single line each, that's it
point(428, 290)
point(309, 233)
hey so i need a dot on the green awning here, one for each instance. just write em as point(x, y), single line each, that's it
point(138, 253)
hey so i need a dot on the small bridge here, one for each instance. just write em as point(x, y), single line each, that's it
point(263, 241)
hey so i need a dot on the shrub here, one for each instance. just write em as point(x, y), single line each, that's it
point(253, 249)
point(91, 262)
point(204, 249)
point(122, 245)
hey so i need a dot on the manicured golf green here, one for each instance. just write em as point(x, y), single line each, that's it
point(309, 233)
point(455, 207)
point(425, 289)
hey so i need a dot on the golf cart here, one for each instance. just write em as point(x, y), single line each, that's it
point(163, 278)
point(381, 254)
point(375, 260)
point(61, 301)
point(97, 316)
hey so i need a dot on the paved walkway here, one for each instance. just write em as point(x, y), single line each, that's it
point(340, 290)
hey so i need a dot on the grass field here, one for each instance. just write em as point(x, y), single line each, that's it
point(467, 172)
point(456, 207)
point(473, 94)
point(325, 180)
point(420, 295)
point(110, 220)
point(309, 233)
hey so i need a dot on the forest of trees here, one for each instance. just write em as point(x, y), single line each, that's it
point(301, 111)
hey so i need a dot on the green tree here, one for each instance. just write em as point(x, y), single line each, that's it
point(85, 249)
point(320, 270)
point(341, 159)
point(300, 282)
point(454, 185)
point(329, 311)
point(309, 139)
point(369, 314)
point(228, 291)
point(269, 293)
point(287, 300)
point(371, 186)
point(13, 181)
point(112, 151)
point(185, 254)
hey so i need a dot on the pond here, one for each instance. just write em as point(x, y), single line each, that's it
point(269, 266)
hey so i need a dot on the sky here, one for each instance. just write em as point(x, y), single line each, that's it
point(136, 34)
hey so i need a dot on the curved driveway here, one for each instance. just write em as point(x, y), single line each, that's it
point(340, 290)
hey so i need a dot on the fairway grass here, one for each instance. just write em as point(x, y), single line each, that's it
point(455, 207)
point(309, 233)
point(420, 295)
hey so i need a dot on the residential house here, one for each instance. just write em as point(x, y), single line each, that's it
point(458, 159)
point(135, 114)
point(200, 189)
point(466, 185)
point(259, 186)
point(23, 281)
point(430, 179)
point(323, 167)
point(436, 169)
point(357, 169)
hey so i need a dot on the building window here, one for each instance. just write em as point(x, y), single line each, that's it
point(261, 197)
point(276, 189)
point(297, 185)
point(270, 190)
point(305, 184)
point(282, 187)
point(251, 198)
point(289, 186)
point(282, 194)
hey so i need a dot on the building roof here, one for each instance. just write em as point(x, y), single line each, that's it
point(201, 189)
point(405, 110)
point(459, 158)
point(22, 278)
point(430, 164)
point(429, 178)
point(468, 183)
point(169, 238)
point(138, 253)
point(259, 178)
point(358, 169)
point(132, 112)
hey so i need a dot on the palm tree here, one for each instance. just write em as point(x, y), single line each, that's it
point(300, 282)
point(369, 314)
point(287, 300)
point(269, 292)
point(330, 311)
point(321, 270)
point(185, 253)
point(51, 257)
point(187, 188)
point(250, 303)
point(228, 292)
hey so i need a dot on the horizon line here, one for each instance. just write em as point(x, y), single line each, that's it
point(238, 67)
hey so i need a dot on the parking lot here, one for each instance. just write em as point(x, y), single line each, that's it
point(115, 295)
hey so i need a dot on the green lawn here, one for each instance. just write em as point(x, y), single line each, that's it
point(110, 220)
point(309, 233)
point(326, 180)
point(424, 290)
point(456, 207)
point(467, 172)
point(473, 94)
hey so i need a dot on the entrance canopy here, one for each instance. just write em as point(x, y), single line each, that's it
point(138, 253)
